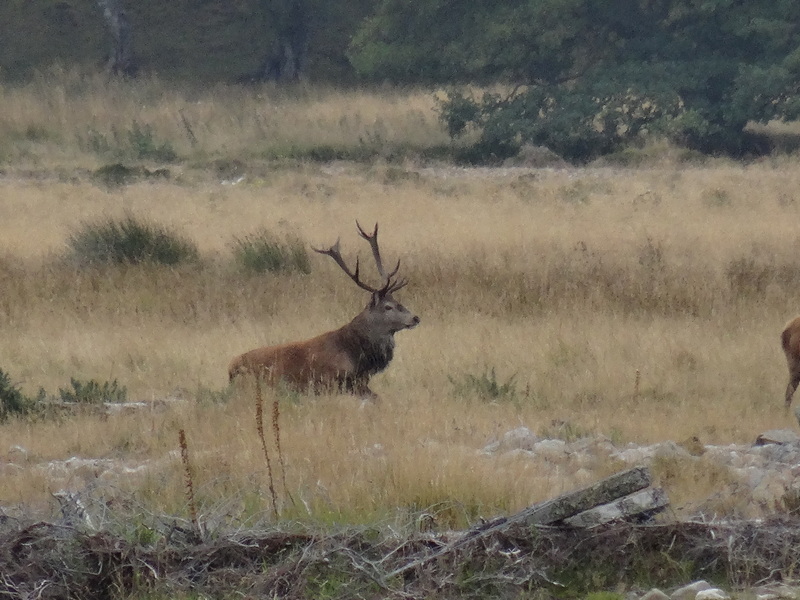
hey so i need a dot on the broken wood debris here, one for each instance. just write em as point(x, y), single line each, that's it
point(620, 496)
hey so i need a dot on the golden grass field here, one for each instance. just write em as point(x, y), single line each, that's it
point(569, 281)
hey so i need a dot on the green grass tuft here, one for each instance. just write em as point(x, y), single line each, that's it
point(485, 387)
point(12, 401)
point(143, 144)
point(92, 392)
point(130, 242)
point(263, 252)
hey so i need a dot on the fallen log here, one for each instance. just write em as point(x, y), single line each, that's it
point(552, 511)
point(642, 503)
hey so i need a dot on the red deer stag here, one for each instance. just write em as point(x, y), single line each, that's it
point(790, 340)
point(343, 359)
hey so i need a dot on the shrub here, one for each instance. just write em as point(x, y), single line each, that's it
point(117, 174)
point(132, 242)
point(143, 144)
point(91, 392)
point(262, 251)
point(485, 386)
point(12, 401)
point(138, 142)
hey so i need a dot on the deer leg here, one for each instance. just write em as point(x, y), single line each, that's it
point(360, 388)
point(794, 380)
point(368, 394)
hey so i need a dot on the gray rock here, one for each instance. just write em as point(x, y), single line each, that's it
point(19, 451)
point(689, 592)
point(712, 594)
point(553, 449)
point(655, 594)
point(520, 438)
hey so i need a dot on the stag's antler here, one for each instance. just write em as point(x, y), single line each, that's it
point(389, 286)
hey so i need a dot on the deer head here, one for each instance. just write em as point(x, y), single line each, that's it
point(383, 314)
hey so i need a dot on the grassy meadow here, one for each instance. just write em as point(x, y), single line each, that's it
point(639, 304)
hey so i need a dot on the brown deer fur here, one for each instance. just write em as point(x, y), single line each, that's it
point(343, 359)
point(790, 340)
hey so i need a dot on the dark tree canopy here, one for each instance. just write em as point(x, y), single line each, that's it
point(205, 40)
point(586, 77)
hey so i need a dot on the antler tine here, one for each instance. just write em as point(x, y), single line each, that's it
point(396, 269)
point(396, 285)
point(336, 255)
point(376, 253)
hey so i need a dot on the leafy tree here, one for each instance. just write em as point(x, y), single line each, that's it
point(209, 40)
point(585, 77)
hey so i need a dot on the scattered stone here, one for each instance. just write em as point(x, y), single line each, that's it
point(712, 594)
point(520, 438)
point(655, 594)
point(115, 408)
point(689, 592)
point(8, 468)
point(551, 449)
point(670, 449)
point(758, 479)
point(18, 451)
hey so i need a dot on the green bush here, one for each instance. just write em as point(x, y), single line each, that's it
point(261, 252)
point(92, 392)
point(137, 143)
point(485, 386)
point(12, 401)
point(130, 242)
point(143, 144)
point(118, 174)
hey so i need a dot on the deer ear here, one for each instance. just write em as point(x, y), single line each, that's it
point(376, 299)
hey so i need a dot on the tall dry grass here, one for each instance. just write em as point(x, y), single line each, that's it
point(566, 283)
point(66, 118)
point(643, 305)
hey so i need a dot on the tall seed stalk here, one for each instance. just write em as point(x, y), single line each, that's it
point(187, 473)
point(262, 437)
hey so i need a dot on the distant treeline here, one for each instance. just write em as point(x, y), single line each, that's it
point(210, 40)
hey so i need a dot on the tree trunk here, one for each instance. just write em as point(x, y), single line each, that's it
point(286, 60)
point(121, 59)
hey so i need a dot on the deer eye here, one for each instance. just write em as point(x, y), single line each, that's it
point(388, 307)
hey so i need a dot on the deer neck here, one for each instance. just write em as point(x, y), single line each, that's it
point(370, 350)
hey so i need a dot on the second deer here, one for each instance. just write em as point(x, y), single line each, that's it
point(346, 358)
point(790, 341)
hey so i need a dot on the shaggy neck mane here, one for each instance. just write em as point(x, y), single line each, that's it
point(370, 354)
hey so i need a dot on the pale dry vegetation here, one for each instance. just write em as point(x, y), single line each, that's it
point(545, 296)
point(565, 283)
point(65, 119)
